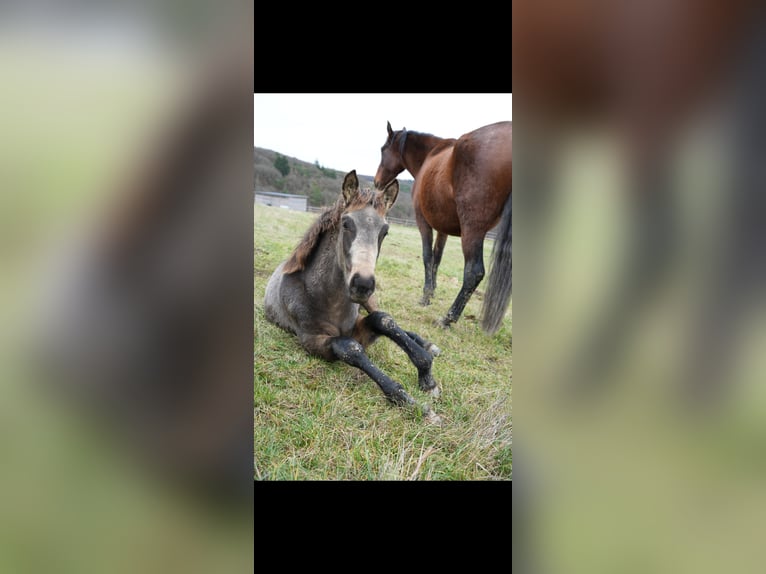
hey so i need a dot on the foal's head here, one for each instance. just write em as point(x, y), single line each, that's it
point(362, 228)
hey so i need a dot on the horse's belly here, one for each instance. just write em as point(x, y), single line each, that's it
point(443, 218)
point(438, 208)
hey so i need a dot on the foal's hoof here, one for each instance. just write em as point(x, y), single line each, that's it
point(429, 416)
point(425, 301)
point(443, 322)
point(428, 384)
point(432, 418)
point(401, 398)
point(433, 349)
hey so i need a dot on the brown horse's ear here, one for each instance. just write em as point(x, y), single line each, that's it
point(390, 193)
point(350, 186)
point(390, 131)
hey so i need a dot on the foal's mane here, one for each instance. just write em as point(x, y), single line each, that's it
point(329, 220)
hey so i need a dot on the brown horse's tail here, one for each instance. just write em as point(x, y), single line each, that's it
point(499, 284)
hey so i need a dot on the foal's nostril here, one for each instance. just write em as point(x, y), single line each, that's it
point(365, 285)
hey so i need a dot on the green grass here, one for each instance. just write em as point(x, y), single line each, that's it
point(315, 420)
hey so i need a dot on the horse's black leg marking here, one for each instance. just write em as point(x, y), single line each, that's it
point(473, 273)
point(428, 267)
point(384, 324)
point(351, 352)
point(441, 240)
point(426, 238)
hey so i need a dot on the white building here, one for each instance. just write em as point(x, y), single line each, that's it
point(284, 200)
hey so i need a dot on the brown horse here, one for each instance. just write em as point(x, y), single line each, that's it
point(316, 293)
point(462, 188)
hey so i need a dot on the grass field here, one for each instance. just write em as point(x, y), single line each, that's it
point(315, 420)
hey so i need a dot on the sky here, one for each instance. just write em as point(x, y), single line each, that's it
point(346, 131)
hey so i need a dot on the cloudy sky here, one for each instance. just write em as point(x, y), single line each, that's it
point(345, 131)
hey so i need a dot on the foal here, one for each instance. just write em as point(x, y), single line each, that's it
point(317, 292)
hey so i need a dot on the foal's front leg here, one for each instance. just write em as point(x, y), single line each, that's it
point(418, 350)
point(351, 352)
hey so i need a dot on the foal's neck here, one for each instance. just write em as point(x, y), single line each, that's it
point(325, 269)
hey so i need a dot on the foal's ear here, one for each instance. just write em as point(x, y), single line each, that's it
point(390, 193)
point(350, 186)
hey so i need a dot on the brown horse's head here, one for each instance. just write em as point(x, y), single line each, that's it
point(363, 227)
point(391, 162)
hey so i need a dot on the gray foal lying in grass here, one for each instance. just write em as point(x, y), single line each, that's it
point(317, 292)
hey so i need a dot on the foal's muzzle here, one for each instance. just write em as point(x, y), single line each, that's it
point(361, 287)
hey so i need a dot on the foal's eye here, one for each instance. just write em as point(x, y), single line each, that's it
point(348, 224)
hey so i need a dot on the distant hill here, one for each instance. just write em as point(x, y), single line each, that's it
point(321, 184)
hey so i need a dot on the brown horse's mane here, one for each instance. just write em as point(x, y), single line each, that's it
point(443, 144)
point(420, 144)
point(329, 220)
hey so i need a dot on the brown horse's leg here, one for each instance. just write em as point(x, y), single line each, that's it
point(473, 273)
point(441, 240)
point(415, 347)
point(427, 238)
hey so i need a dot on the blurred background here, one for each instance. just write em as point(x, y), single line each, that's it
point(125, 305)
point(639, 211)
